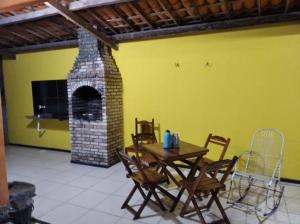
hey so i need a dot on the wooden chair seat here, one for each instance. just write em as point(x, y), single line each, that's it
point(152, 175)
point(205, 161)
point(206, 184)
point(148, 158)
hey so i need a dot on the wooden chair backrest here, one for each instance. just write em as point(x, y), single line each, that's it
point(218, 140)
point(141, 139)
point(146, 129)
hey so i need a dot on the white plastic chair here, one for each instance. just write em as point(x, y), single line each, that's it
point(255, 182)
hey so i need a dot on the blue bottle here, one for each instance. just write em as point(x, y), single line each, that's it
point(167, 140)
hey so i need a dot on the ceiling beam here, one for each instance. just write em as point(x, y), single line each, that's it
point(46, 46)
point(11, 5)
point(74, 18)
point(7, 55)
point(206, 27)
point(43, 13)
point(5, 42)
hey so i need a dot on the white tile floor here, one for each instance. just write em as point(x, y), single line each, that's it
point(77, 194)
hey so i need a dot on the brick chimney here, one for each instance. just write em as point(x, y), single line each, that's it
point(95, 104)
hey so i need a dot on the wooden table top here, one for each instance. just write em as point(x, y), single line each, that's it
point(185, 151)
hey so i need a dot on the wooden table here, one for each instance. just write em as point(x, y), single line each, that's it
point(170, 156)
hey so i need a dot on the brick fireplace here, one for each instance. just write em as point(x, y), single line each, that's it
point(95, 104)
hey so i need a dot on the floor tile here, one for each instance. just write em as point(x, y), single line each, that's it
point(128, 221)
point(150, 214)
point(119, 175)
point(89, 199)
point(64, 193)
point(125, 189)
point(45, 186)
point(100, 172)
point(293, 205)
point(44, 205)
point(94, 217)
point(64, 177)
point(107, 186)
point(112, 205)
point(292, 191)
point(64, 214)
point(294, 219)
point(85, 181)
point(170, 218)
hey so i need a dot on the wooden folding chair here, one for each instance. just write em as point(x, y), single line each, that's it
point(143, 178)
point(205, 184)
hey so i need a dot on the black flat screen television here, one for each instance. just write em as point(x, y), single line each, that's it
point(50, 98)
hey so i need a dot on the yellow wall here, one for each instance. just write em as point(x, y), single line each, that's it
point(18, 75)
point(228, 83)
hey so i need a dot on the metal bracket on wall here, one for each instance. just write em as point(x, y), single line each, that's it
point(38, 119)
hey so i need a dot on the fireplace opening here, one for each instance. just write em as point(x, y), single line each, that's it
point(86, 103)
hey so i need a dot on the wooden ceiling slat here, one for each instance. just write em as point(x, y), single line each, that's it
point(258, 7)
point(62, 24)
point(156, 8)
point(47, 31)
point(124, 19)
point(16, 31)
point(139, 12)
point(196, 8)
point(145, 7)
point(81, 23)
point(169, 12)
point(5, 43)
point(110, 16)
point(100, 20)
point(188, 8)
point(11, 39)
point(225, 5)
point(287, 5)
point(34, 32)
